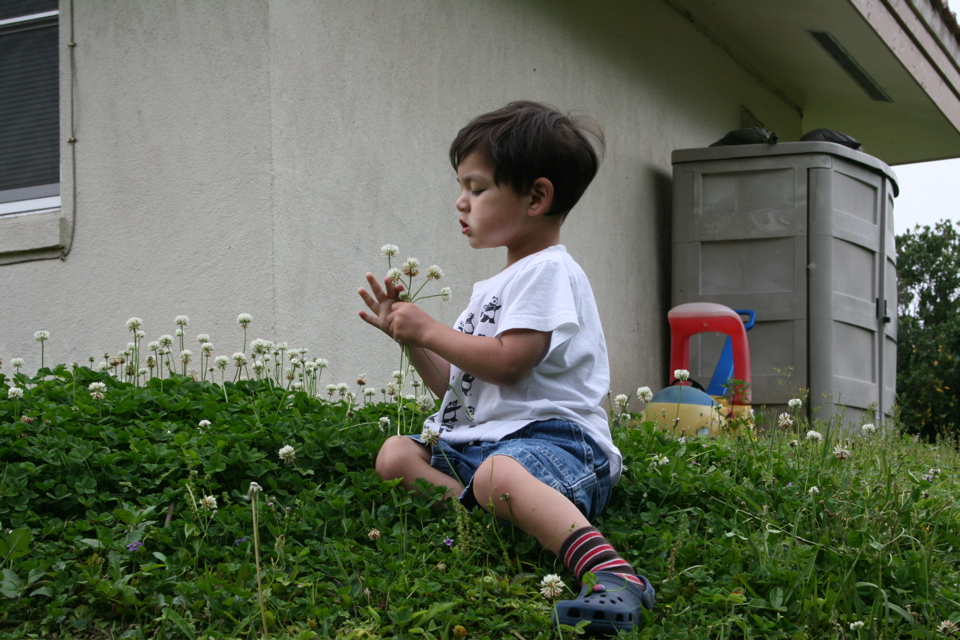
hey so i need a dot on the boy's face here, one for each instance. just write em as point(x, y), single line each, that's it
point(492, 215)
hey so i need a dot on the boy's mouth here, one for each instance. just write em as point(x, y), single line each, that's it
point(465, 228)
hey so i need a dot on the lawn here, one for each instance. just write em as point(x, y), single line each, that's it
point(127, 512)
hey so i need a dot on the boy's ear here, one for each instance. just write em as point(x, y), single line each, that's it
point(541, 197)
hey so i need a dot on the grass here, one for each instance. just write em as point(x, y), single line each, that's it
point(109, 531)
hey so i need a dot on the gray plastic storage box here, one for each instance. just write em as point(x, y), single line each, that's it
point(802, 234)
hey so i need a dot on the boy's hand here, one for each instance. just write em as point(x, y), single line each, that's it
point(408, 324)
point(380, 301)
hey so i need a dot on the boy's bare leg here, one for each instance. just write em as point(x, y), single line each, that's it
point(404, 458)
point(536, 508)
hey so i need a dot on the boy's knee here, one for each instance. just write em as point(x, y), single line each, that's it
point(495, 477)
point(394, 457)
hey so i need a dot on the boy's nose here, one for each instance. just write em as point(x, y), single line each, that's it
point(461, 204)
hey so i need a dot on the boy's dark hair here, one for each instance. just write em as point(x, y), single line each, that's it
point(528, 140)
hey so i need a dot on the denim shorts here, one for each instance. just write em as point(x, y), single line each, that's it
point(556, 452)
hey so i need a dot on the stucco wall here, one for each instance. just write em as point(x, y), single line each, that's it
point(254, 156)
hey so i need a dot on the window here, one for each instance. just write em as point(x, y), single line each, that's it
point(29, 107)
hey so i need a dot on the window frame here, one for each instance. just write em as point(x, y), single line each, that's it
point(35, 224)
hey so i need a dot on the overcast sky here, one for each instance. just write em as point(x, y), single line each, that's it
point(929, 191)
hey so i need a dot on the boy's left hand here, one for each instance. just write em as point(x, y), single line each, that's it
point(408, 324)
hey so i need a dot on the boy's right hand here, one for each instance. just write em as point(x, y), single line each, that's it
point(380, 301)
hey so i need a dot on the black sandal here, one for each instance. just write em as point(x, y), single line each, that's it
point(611, 605)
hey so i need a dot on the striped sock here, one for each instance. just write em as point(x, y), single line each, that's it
point(587, 550)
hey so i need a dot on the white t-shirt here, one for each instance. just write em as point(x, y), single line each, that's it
point(546, 291)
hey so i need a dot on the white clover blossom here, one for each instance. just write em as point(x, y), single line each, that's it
point(331, 389)
point(659, 460)
point(321, 363)
point(389, 250)
point(362, 380)
point(203, 424)
point(644, 394)
point(814, 435)
point(395, 274)
point(551, 586)
point(206, 348)
point(165, 340)
point(841, 453)
point(784, 421)
point(181, 321)
point(261, 347)
point(203, 338)
point(373, 534)
point(445, 294)
point(134, 323)
point(621, 400)
point(221, 362)
point(41, 336)
point(239, 359)
point(682, 375)
point(868, 428)
point(857, 624)
point(178, 332)
point(429, 437)
point(813, 490)
point(244, 320)
point(384, 422)
point(14, 393)
point(947, 628)
point(795, 403)
point(794, 444)
point(411, 267)
point(153, 346)
point(426, 403)
point(97, 390)
point(208, 502)
point(369, 392)
point(434, 272)
point(16, 363)
point(254, 489)
point(259, 367)
point(343, 388)
point(186, 356)
point(287, 454)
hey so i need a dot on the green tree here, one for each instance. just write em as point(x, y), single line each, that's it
point(928, 350)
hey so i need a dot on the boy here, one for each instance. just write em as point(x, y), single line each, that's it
point(523, 372)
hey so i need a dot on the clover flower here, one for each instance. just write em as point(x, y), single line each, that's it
point(321, 363)
point(794, 444)
point(389, 250)
point(362, 380)
point(857, 624)
point(331, 389)
point(208, 502)
point(445, 294)
point(374, 534)
point(259, 367)
point(551, 586)
point(203, 424)
point(644, 394)
point(841, 453)
point(206, 348)
point(287, 454)
point(369, 392)
point(429, 437)
point(41, 336)
point(221, 362)
point(868, 428)
point(181, 321)
point(434, 272)
point(134, 323)
point(261, 347)
point(342, 389)
point(784, 421)
point(14, 393)
point(395, 274)
point(254, 489)
point(244, 320)
point(411, 267)
point(621, 401)
point(795, 403)
point(165, 340)
point(97, 390)
point(384, 422)
point(239, 359)
point(186, 356)
point(947, 628)
point(16, 363)
point(426, 403)
point(682, 375)
point(813, 490)
point(203, 338)
point(814, 435)
point(659, 460)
